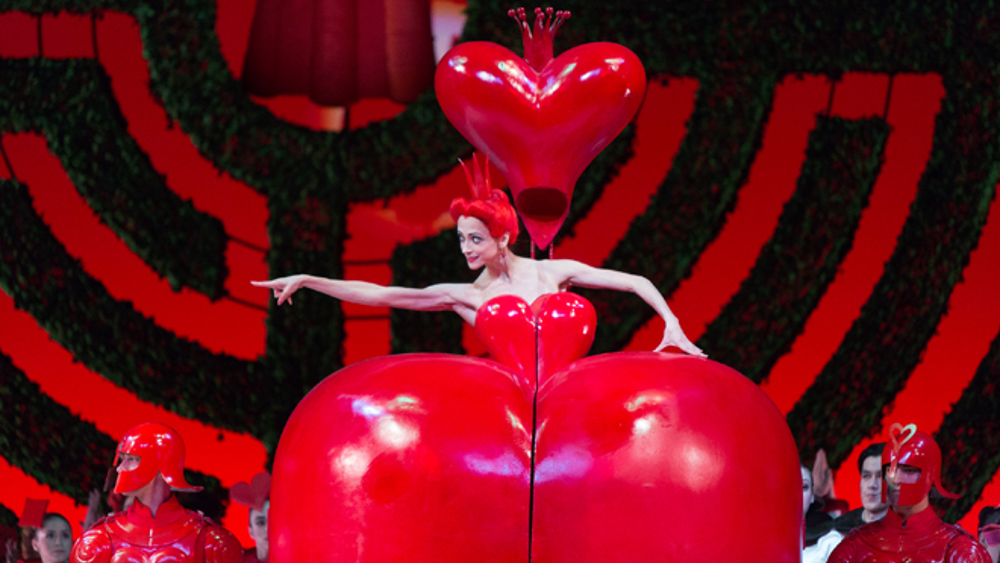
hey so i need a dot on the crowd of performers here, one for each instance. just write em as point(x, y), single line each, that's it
point(894, 523)
point(149, 521)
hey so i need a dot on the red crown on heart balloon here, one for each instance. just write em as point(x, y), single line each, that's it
point(541, 120)
point(539, 42)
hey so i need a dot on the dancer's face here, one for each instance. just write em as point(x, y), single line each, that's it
point(258, 526)
point(53, 541)
point(871, 484)
point(807, 489)
point(478, 246)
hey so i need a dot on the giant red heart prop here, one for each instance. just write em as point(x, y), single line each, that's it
point(541, 128)
point(637, 457)
point(646, 456)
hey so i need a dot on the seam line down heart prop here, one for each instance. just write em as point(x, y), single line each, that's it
point(540, 454)
point(627, 456)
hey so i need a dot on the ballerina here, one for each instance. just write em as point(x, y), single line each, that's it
point(487, 225)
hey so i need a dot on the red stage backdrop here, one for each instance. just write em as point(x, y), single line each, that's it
point(773, 157)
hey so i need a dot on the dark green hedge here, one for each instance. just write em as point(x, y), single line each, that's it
point(71, 103)
point(970, 437)
point(847, 401)
point(8, 517)
point(814, 234)
point(54, 446)
point(110, 337)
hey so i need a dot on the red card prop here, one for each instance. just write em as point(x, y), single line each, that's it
point(541, 121)
point(33, 513)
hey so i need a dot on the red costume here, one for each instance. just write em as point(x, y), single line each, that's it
point(923, 537)
point(174, 534)
point(250, 555)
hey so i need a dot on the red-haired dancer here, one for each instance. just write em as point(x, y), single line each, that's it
point(487, 225)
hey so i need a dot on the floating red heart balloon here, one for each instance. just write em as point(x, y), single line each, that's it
point(541, 128)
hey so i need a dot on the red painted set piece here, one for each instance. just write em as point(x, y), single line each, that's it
point(539, 455)
point(428, 457)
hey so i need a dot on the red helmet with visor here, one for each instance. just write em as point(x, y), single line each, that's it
point(161, 452)
point(909, 446)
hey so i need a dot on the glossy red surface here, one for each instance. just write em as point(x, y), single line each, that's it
point(638, 456)
point(550, 333)
point(161, 451)
point(174, 535)
point(644, 456)
point(422, 457)
point(924, 538)
point(540, 128)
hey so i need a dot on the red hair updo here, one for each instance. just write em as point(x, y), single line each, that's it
point(490, 206)
point(496, 213)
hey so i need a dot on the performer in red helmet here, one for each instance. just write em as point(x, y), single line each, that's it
point(150, 465)
point(910, 531)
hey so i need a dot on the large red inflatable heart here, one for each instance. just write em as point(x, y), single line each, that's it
point(540, 127)
point(637, 457)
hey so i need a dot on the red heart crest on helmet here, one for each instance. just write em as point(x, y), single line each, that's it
point(541, 128)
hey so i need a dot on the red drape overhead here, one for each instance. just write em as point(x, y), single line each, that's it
point(336, 52)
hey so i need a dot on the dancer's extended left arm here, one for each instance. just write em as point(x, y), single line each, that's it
point(571, 272)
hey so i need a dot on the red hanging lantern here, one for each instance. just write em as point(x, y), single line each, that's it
point(336, 53)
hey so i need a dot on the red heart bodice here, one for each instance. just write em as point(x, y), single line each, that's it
point(537, 340)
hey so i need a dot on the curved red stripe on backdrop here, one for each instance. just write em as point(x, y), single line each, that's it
point(721, 268)
point(17, 486)
point(67, 36)
point(660, 127)
point(223, 326)
point(19, 37)
point(112, 409)
point(962, 339)
point(952, 356)
point(241, 209)
point(916, 100)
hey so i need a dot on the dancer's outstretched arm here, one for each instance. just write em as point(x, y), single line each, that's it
point(571, 272)
point(439, 297)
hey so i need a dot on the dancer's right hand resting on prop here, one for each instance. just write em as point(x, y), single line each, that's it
point(486, 227)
